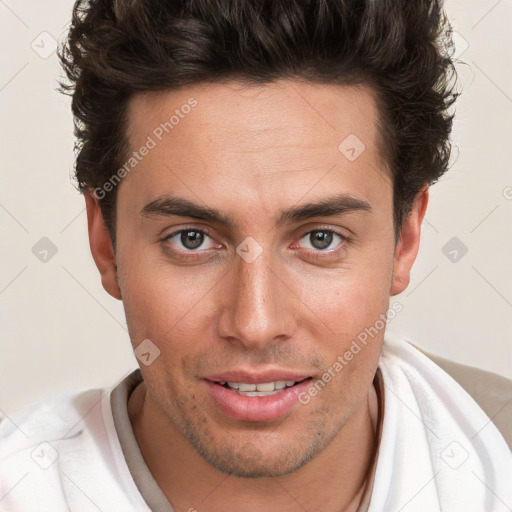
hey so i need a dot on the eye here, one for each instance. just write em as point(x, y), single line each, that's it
point(189, 240)
point(322, 240)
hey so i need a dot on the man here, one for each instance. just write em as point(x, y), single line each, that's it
point(256, 174)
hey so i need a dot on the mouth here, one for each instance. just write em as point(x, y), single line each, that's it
point(260, 389)
point(262, 401)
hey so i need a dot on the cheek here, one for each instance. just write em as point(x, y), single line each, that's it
point(351, 323)
point(349, 299)
point(162, 303)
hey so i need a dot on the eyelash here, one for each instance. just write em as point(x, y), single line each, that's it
point(318, 254)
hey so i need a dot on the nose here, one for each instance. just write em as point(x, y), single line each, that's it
point(257, 308)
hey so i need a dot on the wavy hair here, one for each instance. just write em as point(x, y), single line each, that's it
point(402, 49)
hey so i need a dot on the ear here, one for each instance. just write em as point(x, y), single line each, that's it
point(101, 246)
point(409, 243)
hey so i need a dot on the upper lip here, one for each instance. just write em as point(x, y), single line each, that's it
point(254, 377)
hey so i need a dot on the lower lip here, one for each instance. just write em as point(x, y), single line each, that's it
point(256, 408)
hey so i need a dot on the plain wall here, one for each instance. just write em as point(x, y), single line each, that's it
point(60, 330)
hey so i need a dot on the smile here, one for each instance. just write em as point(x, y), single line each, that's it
point(264, 401)
point(261, 389)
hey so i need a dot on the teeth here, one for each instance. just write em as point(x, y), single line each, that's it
point(266, 386)
point(263, 386)
point(246, 387)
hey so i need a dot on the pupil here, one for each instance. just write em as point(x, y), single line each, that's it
point(321, 239)
point(192, 239)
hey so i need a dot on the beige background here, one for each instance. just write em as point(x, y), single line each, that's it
point(60, 330)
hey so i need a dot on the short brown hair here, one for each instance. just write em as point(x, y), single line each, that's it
point(401, 48)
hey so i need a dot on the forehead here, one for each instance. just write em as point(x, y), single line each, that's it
point(256, 113)
point(241, 135)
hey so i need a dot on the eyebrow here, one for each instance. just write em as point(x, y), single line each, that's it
point(330, 206)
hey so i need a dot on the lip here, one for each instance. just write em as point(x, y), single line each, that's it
point(249, 377)
point(256, 408)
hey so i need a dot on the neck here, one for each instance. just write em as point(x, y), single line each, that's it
point(333, 481)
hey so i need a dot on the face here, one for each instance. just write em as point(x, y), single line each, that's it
point(249, 240)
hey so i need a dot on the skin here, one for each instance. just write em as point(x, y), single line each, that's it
point(252, 152)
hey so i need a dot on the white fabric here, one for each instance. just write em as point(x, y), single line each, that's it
point(439, 451)
point(89, 474)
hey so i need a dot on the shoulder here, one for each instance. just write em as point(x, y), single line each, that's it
point(63, 453)
point(48, 418)
point(492, 392)
point(37, 441)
